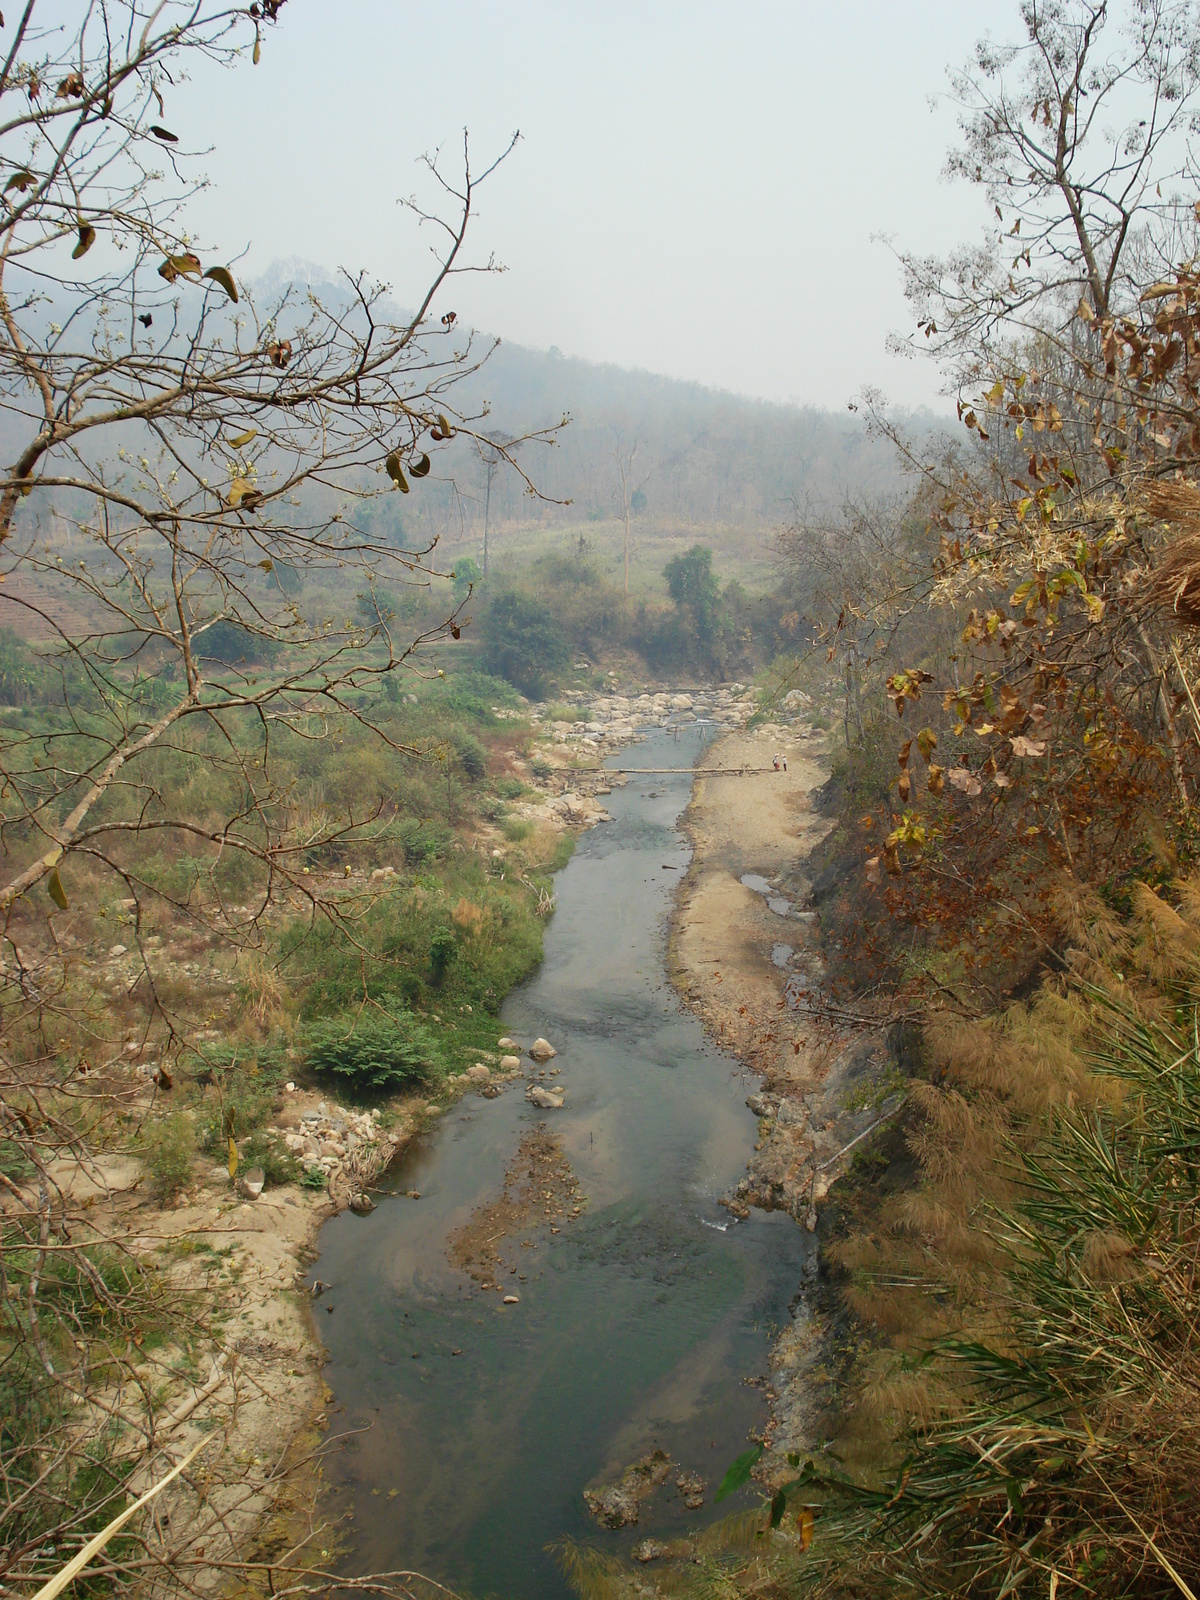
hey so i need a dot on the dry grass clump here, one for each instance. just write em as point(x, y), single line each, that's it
point(1050, 1436)
point(1173, 585)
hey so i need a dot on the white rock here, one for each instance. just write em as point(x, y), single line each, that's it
point(512, 1300)
point(510, 1063)
point(544, 1099)
point(250, 1185)
point(478, 1073)
point(507, 1044)
point(542, 1050)
point(289, 1088)
point(117, 950)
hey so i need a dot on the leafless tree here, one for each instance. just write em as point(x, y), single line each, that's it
point(183, 455)
point(1078, 137)
point(631, 486)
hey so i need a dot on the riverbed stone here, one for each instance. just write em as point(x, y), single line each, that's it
point(616, 1504)
point(544, 1099)
point(542, 1050)
point(510, 1063)
point(507, 1044)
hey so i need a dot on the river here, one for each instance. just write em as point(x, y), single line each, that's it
point(637, 1323)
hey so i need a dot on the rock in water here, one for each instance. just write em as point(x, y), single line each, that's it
point(691, 1487)
point(544, 1099)
point(616, 1504)
point(542, 1050)
point(512, 1300)
point(507, 1044)
point(648, 1550)
point(478, 1073)
point(510, 1063)
point(361, 1204)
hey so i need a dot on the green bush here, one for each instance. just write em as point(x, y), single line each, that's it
point(245, 1083)
point(472, 757)
point(264, 1149)
point(442, 951)
point(168, 1150)
point(523, 642)
point(374, 1052)
point(233, 644)
point(23, 677)
point(516, 829)
point(420, 840)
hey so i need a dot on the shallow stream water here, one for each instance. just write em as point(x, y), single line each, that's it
point(638, 1322)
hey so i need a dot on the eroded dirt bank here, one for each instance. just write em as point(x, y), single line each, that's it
point(744, 952)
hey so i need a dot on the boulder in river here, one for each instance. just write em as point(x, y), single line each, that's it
point(510, 1063)
point(361, 1204)
point(507, 1044)
point(544, 1099)
point(542, 1050)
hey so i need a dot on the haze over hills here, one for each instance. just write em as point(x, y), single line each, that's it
point(721, 468)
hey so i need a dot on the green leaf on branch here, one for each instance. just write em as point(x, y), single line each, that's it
point(739, 1472)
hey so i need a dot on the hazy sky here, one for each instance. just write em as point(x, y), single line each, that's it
point(696, 189)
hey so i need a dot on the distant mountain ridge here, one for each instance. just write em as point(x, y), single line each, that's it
point(707, 456)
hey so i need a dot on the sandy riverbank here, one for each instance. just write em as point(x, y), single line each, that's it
point(745, 955)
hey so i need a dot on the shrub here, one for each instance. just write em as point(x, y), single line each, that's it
point(472, 757)
point(233, 644)
point(523, 642)
point(264, 1149)
point(168, 1154)
point(467, 573)
point(22, 675)
point(420, 841)
point(442, 951)
point(516, 829)
point(374, 1052)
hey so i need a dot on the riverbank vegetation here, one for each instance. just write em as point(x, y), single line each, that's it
point(251, 832)
point(1016, 655)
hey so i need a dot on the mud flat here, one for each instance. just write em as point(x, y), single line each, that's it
point(745, 954)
